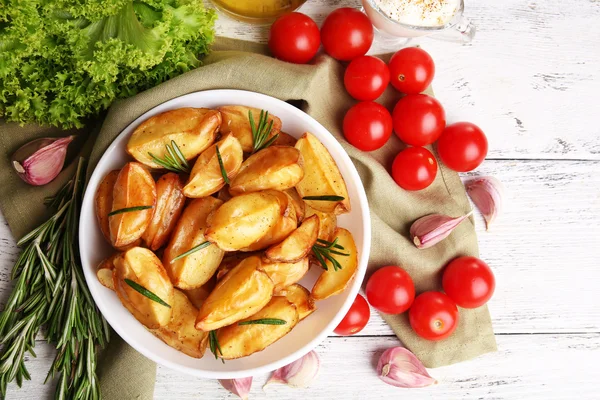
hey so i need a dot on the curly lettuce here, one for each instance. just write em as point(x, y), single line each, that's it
point(62, 61)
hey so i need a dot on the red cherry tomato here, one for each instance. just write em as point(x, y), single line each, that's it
point(469, 282)
point(462, 146)
point(419, 119)
point(414, 168)
point(433, 316)
point(294, 38)
point(390, 290)
point(356, 318)
point(411, 70)
point(367, 126)
point(366, 78)
point(346, 34)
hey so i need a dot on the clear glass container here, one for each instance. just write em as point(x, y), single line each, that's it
point(257, 11)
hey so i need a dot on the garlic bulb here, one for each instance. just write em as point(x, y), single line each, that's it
point(40, 161)
point(239, 387)
point(487, 194)
point(399, 367)
point(298, 374)
point(432, 229)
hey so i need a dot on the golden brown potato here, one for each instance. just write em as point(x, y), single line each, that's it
point(230, 261)
point(333, 282)
point(141, 266)
point(298, 244)
point(285, 139)
point(197, 268)
point(321, 177)
point(284, 274)
point(198, 295)
point(236, 122)
point(327, 222)
point(206, 177)
point(297, 202)
point(193, 129)
point(180, 332)
point(238, 341)
point(103, 201)
point(299, 296)
point(134, 187)
point(105, 272)
point(276, 167)
point(169, 204)
point(242, 292)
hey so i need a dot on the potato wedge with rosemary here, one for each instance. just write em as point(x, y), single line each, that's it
point(333, 281)
point(139, 267)
point(321, 177)
point(298, 244)
point(242, 292)
point(208, 174)
point(284, 274)
point(297, 202)
point(238, 341)
point(103, 200)
point(104, 273)
point(276, 167)
point(180, 332)
point(134, 198)
point(285, 139)
point(169, 205)
point(237, 122)
point(195, 269)
point(299, 296)
point(192, 129)
point(327, 222)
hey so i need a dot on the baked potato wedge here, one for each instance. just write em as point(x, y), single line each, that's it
point(195, 269)
point(236, 122)
point(141, 266)
point(134, 187)
point(243, 291)
point(333, 282)
point(298, 244)
point(297, 202)
point(276, 167)
point(104, 273)
point(169, 205)
point(193, 129)
point(180, 332)
point(321, 177)
point(206, 177)
point(299, 296)
point(284, 274)
point(284, 139)
point(198, 295)
point(103, 200)
point(327, 222)
point(230, 261)
point(238, 341)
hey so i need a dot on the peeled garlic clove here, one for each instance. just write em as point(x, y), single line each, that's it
point(298, 374)
point(40, 161)
point(239, 387)
point(399, 367)
point(487, 195)
point(432, 229)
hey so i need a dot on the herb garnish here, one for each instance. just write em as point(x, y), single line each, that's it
point(223, 171)
point(324, 249)
point(145, 292)
point(214, 345)
point(174, 160)
point(324, 198)
point(261, 133)
point(129, 209)
point(264, 321)
point(192, 250)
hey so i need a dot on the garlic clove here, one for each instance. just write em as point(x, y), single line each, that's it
point(399, 367)
point(40, 161)
point(432, 229)
point(298, 374)
point(239, 387)
point(487, 194)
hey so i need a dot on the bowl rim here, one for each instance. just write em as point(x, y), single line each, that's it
point(234, 95)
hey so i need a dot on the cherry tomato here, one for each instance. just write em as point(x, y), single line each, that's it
point(414, 168)
point(462, 146)
point(433, 316)
point(419, 119)
point(294, 38)
point(469, 282)
point(367, 126)
point(366, 78)
point(346, 34)
point(356, 318)
point(411, 70)
point(390, 290)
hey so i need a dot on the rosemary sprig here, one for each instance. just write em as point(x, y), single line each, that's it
point(260, 133)
point(223, 171)
point(174, 160)
point(192, 250)
point(264, 321)
point(129, 209)
point(213, 344)
point(50, 290)
point(324, 198)
point(324, 249)
point(145, 292)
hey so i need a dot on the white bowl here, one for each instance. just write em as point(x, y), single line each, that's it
point(307, 334)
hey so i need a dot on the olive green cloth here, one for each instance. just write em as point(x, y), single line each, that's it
point(318, 88)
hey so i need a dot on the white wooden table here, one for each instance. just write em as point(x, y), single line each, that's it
point(531, 80)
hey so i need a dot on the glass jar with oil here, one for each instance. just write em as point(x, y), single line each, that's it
point(257, 11)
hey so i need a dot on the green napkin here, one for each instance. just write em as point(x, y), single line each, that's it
point(319, 89)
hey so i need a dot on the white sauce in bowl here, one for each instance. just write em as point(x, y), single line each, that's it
point(426, 13)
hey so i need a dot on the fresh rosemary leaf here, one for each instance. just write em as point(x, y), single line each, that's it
point(264, 321)
point(214, 345)
point(324, 250)
point(192, 250)
point(145, 292)
point(129, 209)
point(261, 132)
point(324, 198)
point(223, 171)
point(173, 160)
point(327, 242)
